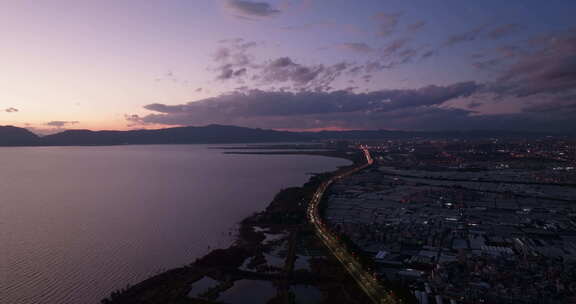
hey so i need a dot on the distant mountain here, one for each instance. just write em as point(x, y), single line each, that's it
point(181, 135)
point(14, 136)
point(219, 134)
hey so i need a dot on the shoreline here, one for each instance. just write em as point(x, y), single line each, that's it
point(283, 216)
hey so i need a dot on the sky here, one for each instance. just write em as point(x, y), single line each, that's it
point(288, 64)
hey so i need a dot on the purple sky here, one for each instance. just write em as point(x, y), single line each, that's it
point(338, 64)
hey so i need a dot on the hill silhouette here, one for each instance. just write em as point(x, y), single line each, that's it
point(221, 134)
point(14, 136)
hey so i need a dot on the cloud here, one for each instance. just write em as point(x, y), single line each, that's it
point(252, 8)
point(60, 123)
point(317, 76)
point(474, 104)
point(448, 107)
point(477, 32)
point(416, 26)
point(497, 59)
point(395, 46)
point(233, 59)
point(395, 53)
point(374, 66)
point(359, 47)
point(284, 109)
point(565, 104)
point(548, 69)
point(310, 26)
point(503, 30)
point(11, 110)
point(387, 22)
point(162, 108)
point(407, 55)
point(435, 118)
point(284, 69)
point(133, 120)
point(509, 51)
point(222, 54)
point(300, 95)
point(487, 64)
point(428, 54)
point(227, 72)
point(470, 35)
point(235, 62)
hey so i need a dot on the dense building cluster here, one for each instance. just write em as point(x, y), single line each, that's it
point(466, 222)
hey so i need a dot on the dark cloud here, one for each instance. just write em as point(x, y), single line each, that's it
point(367, 78)
point(162, 108)
point(497, 59)
point(282, 109)
point(226, 72)
point(509, 51)
point(565, 104)
point(240, 72)
point(428, 54)
point(374, 66)
point(233, 59)
point(60, 123)
point(474, 104)
point(470, 35)
point(397, 52)
point(482, 31)
point(407, 55)
point(301, 95)
point(133, 120)
point(503, 30)
point(285, 70)
point(478, 55)
point(426, 96)
point(11, 110)
point(487, 64)
point(549, 69)
point(327, 26)
point(357, 47)
point(426, 108)
point(235, 62)
point(222, 54)
point(309, 26)
point(252, 8)
point(394, 47)
point(387, 22)
point(435, 118)
point(416, 26)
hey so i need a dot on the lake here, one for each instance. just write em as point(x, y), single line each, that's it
point(79, 222)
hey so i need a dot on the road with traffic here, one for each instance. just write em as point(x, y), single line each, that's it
point(369, 284)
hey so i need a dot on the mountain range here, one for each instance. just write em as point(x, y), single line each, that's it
point(211, 134)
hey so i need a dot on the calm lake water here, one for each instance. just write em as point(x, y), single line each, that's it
point(79, 222)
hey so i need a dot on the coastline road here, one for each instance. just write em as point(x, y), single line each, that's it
point(373, 289)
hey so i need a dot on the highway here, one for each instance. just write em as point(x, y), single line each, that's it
point(373, 289)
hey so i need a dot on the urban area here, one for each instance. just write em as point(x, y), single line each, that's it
point(459, 221)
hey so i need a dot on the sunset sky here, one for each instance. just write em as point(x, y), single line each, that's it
point(337, 64)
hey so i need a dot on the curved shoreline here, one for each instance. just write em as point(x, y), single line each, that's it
point(282, 215)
